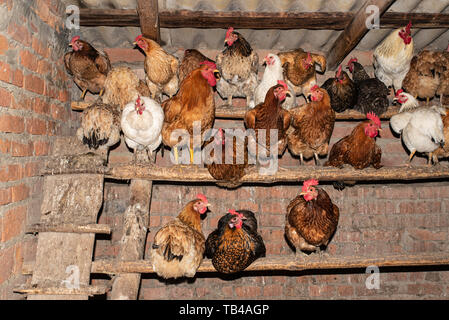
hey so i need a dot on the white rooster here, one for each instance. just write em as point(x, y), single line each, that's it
point(393, 56)
point(273, 73)
point(421, 128)
point(142, 125)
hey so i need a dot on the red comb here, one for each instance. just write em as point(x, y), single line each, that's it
point(338, 72)
point(202, 197)
point(74, 39)
point(230, 30)
point(232, 211)
point(308, 183)
point(209, 64)
point(315, 87)
point(409, 26)
point(372, 116)
point(282, 83)
point(309, 57)
point(138, 38)
point(352, 60)
point(399, 92)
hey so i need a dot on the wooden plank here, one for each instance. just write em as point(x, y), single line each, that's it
point(69, 228)
point(61, 291)
point(233, 112)
point(148, 12)
point(353, 33)
point(289, 263)
point(257, 20)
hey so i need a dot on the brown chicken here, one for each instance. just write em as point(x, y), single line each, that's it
point(161, 68)
point(228, 174)
point(311, 218)
point(100, 126)
point(269, 116)
point(191, 61)
point(443, 152)
point(341, 90)
point(313, 125)
point(423, 78)
point(194, 102)
point(122, 86)
point(87, 65)
point(443, 88)
point(299, 69)
point(235, 244)
point(178, 247)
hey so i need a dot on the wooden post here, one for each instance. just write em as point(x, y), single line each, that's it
point(149, 19)
point(353, 33)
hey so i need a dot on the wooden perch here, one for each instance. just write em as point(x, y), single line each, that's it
point(232, 112)
point(69, 228)
point(289, 264)
point(83, 291)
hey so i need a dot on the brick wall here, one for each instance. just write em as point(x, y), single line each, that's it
point(376, 219)
point(34, 113)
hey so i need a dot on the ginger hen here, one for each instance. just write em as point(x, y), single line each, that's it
point(87, 65)
point(311, 218)
point(299, 69)
point(313, 125)
point(269, 116)
point(193, 103)
point(235, 244)
point(178, 247)
point(161, 68)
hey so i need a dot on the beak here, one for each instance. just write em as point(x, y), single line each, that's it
point(217, 74)
point(309, 97)
point(134, 43)
point(442, 144)
point(208, 205)
point(70, 44)
point(302, 193)
point(288, 93)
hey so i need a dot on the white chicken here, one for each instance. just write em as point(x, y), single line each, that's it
point(421, 128)
point(406, 100)
point(393, 56)
point(142, 125)
point(273, 73)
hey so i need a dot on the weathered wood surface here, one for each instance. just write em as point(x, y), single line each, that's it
point(289, 263)
point(148, 12)
point(61, 291)
point(69, 228)
point(257, 20)
point(353, 33)
point(233, 112)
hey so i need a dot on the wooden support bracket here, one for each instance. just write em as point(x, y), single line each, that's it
point(69, 228)
point(148, 12)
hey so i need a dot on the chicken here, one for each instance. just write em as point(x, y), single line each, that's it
point(178, 247)
point(191, 61)
point(273, 73)
point(311, 218)
point(161, 68)
point(228, 173)
point(269, 116)
point(443, 152)
point(342, 91)
point(443, 88)
point(193, 103)
point(423, 78)
point(393, 56)
point(406, 100)
point(359, 149)
point(141, 123)
point(299, 69)
point(100, 126)
point(372, 94)
point(421, 130)
point(238, 65)
point(122, 86)
point(313, 125)
point(87, 65)
point(234, 245)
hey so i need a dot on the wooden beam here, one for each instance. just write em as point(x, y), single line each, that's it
point(234, 112)
point(289, 263)
point(353, 33)
point(148, 12)
point(257, 20)
point(82, 291)
point(69, 228)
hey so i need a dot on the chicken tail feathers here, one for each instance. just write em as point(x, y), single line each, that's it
point(168, 252)
point(93, 141)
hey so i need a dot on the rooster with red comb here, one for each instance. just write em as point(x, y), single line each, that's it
point(238, 64)
point(311, 218)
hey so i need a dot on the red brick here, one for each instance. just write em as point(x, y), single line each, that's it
point(29, 60)
point(9, 123)
point(5, 196)
point(58, 112)
point(155, 293)
point(5, 98)
point(3, 45)
point(5, 72)
point(123, 54)
point(40, 48)
point(34, 84)
point(5, 146)
point(40, 106)
point(19, 193)
point(248, 292)
point(19, 33)
point(31, 169)
point(423, 234)
point(41, 148)
point(7, 265)
point(185, 293)
point(273, 290)
point(17, 78)
point(13, 223)
point(36, 126)
point(10, 173)
point(345, 291)
point(21, 149)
